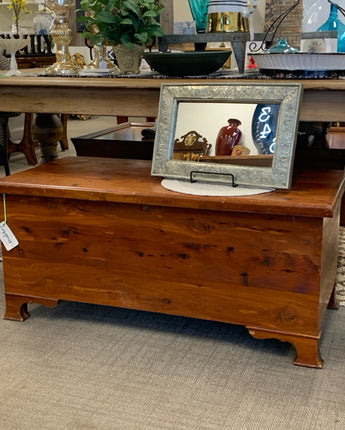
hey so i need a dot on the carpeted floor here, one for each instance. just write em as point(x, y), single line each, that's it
point(80, 366)
point(340, 289)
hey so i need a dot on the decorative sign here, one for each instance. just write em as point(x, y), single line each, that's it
point(264, 127)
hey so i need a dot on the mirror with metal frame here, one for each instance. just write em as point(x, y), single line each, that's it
point(241, 134)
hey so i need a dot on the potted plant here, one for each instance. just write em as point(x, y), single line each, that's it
point(128, 25)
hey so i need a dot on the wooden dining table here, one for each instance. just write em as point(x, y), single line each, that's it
point(323, 99)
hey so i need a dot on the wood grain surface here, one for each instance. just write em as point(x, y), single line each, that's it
point(104, 231)
point(120, 180)
point(323, 99)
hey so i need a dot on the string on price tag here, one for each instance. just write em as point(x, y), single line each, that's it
point(7, 237)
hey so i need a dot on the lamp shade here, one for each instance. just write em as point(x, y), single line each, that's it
point(217, 6)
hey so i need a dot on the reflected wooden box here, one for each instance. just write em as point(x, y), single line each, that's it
point(336, 138)
point(121, 141)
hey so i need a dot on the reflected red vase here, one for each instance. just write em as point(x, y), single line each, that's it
point(228, 137)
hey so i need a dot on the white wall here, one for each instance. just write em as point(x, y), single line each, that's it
point(25, 20)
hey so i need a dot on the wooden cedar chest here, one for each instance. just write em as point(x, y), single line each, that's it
point(105, 231)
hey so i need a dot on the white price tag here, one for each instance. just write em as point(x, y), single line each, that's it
point(7, 237)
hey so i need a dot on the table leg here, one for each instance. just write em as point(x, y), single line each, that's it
point(48, 130)
point(17, 308)
point(64, 140)
point(239, 48)
point(3, 143)
point(307, 347)
point(27, 144)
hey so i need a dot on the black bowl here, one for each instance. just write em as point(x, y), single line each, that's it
point(189, 63)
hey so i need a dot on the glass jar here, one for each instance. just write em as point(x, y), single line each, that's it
point(334, 23)
point(43, 22)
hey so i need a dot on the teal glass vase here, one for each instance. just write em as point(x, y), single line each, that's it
point(199, 9)
point(334, 23)
point(282, 47)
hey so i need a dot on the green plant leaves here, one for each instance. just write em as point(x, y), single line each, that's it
point(126, 21)
point(142, 37)
point(133, 6)
point(122, 21)
point(106, 17)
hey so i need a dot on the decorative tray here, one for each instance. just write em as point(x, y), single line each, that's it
point(300, 61)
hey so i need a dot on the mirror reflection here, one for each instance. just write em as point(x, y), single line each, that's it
point(229, 133)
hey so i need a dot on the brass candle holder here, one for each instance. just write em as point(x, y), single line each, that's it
point(100, 59)
point(62, 36)
point(100, 55)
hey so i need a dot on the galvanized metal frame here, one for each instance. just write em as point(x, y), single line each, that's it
point(279, 175)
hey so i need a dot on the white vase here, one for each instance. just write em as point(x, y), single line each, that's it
point(12, 45)
point(129, 59)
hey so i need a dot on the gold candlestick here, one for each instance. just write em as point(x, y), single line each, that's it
point(100, 58)
point(62, 36)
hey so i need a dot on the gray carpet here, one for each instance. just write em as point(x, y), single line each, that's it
point(340, 285)
point(80, 367)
